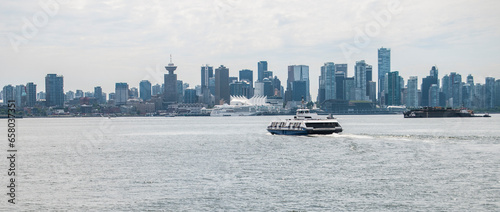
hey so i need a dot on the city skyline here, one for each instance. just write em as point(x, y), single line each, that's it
point(454, 39)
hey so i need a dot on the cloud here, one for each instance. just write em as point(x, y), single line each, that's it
point(117, 40)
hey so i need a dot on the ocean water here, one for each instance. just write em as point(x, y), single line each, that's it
point(379, 163)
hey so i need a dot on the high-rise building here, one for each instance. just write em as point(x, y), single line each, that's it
point(277, 86)
point(412, 92)
point(341, 68)
point(241, 88)
point(327, 82)
point(98, 95)
point(121, 93)
point(470, 80)
point(360, 80)
point(434, 99)
point(371, 88)
point(8, 94)
point(261, 68)
point(427, 82)
point(268, 74)
point(393, 88)
point(246, 75)
point(78, 94)
point(20, 96)
point(54, 88)
point(170, 80)
point(180, 91)
point(489, 92)
point(497, 93)
point(340, 85)
point(206, 73)
point(133, 93)
point(349, 88)
point(41, 96)
point(299, 73)
point(156, 89)
point(190, 96)
point(466, 95)
point(233, 79)
point(299, 90)
point(384, 67)
point(222, 85)
point(31, 94)
point(145, 90)
point(70, 95)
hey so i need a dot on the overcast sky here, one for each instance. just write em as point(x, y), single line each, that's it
point(99, 43)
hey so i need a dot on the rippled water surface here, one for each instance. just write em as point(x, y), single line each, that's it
point(379, 163)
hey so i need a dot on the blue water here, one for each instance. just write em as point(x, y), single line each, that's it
point(379, 163)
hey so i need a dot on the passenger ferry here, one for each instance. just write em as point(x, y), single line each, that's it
point(305, 123)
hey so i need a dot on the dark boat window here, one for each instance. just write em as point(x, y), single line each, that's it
point(322, 125)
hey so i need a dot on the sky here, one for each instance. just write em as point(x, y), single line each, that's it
point(99, 43)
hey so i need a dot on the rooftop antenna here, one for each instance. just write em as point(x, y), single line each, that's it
point(170, 58)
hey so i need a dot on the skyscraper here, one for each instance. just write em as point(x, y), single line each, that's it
point(384, 67)
point(30, 94)
point(170, 80)
point(54, 90)
point(360, 80)
point(145, 90)
point(241, 88)
point(20, 96)
point(393, 88)
point(121, 93)
point(299, 73)
point(341, 68)
point(222, 85)
point(261, 67)
point(8, 94)
point(497, 93)
point(327, 82)
point(412, 90)
point(207, 73)
point(98, 95)
point(247, 75)
point(190, 96)
point(489, 92)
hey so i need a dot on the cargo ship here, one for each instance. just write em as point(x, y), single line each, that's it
point(439, 112)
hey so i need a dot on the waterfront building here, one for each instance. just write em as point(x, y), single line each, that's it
point(393, 88)
point(8, 94)
point(145, 90)
point(489, 92)
point(222, 85)
point(327, 89)
point(298, 73)
point(412, 92)
point(121, 93)
point(54, 88)
point(384, 67)
point(170, 80)
point(360, 81)
point(241, 88)
point(190, 96)
point(98, 95)
point(20, 96)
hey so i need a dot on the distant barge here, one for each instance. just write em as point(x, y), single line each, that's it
point(439, 112)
